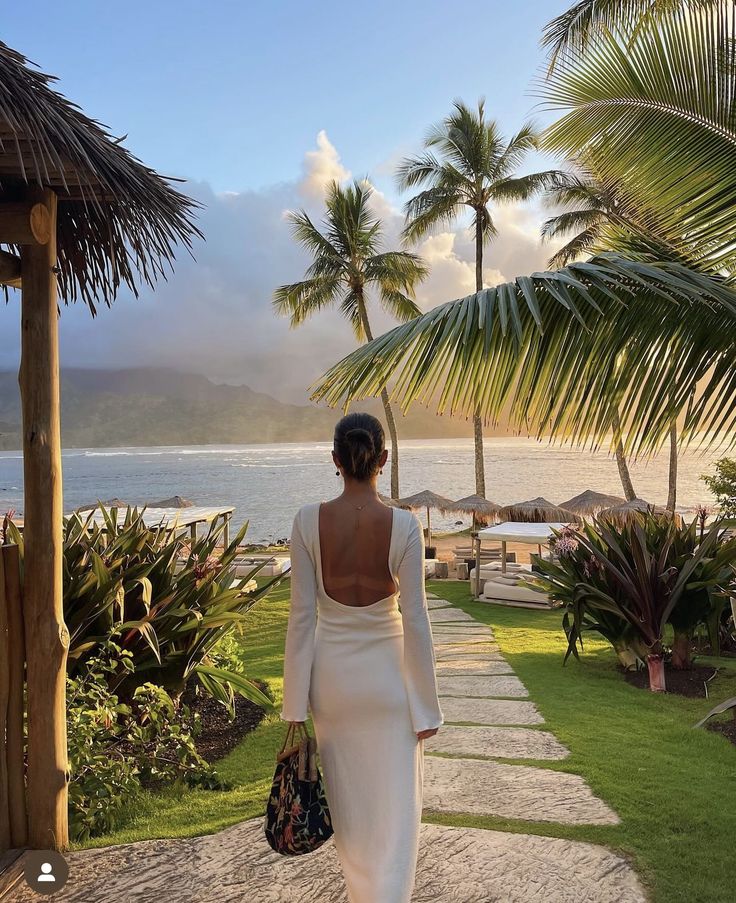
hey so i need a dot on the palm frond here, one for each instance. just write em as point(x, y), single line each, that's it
point(653, 109)
point(547, 346)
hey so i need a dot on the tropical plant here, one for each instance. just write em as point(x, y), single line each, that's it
point(348, 264)
point(652, 111)
point(116, 747)
point(564, 578)
point(628, 581)
point(722, 484)
point(166, 600)
point(468, 165)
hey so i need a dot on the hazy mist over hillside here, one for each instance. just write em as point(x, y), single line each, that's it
point(148, 406)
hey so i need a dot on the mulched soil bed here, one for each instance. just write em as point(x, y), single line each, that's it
point(219, 734)
point(684, 683)
point(727, 729)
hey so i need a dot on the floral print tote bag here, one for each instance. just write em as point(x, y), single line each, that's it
point(297, 815)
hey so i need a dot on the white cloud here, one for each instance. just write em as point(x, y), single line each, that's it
point(214, 314)
point(320, 167)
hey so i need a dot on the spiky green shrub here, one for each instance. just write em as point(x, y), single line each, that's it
point(628, 581)
point(164, 599)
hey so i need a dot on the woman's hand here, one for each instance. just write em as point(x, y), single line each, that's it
point(430, 732)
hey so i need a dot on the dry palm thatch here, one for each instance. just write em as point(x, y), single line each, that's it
point(591, 502)
point(481, 508)
point(428, 500)
point(176, 501)
point(538, 511)
point(387, 500)
point(629, 510)
point(118, 220)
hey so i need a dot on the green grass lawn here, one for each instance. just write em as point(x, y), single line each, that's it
point(672, 786)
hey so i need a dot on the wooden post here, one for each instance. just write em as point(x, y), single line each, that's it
point(47, 638)
point(226, 530)
point(476, 541)
point(4, 697)
point(16, 662)
point(503, 556)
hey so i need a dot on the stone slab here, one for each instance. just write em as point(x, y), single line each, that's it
point(461, 639)
point(508, 686)
point(433, 603)
point(455, 865)
point(448, 636)
point(496, 742)
point(522, 792)
point(490, 711)
point(467, 650)
point(466, 666)
point(444, 615)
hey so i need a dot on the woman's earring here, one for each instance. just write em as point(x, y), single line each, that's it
point(381, 470)
point(337, 473)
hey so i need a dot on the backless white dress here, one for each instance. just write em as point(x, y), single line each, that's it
point(367, 674)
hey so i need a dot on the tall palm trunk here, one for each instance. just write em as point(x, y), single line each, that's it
point(623, 467)
point(672, 493)
point(480, 474)
point(390, 422)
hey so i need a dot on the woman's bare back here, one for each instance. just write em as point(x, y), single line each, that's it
point(354, 547)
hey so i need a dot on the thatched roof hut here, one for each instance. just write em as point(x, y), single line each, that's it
point(628, 510)
point(428, 500)
point(481, 508)
point(591, 502)
point(118, 221)
point(80, 217)
point(538, 511)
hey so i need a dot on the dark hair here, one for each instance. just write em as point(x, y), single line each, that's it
point(358, 444)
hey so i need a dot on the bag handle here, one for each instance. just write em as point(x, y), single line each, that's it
point(290, 734)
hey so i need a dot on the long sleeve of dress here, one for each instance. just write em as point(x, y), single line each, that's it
point(419, 658)
point(300, 631)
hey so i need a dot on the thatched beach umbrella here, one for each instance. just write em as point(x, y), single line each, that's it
point(387, 500)
point(538, 511)
point(176, 501)
point(627, 510)
point(429, 500)
point(108, 503)
point(478, 506)
point(591, 502)
point(79, 217)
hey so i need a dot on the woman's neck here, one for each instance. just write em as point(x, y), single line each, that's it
point(360, 490)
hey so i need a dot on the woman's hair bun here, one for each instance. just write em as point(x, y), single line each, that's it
point(358, 444)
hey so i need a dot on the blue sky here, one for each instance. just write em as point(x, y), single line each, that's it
point(233, 92)
point(257, 105)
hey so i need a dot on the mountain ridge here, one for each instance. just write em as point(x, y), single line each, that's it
point(147, 406)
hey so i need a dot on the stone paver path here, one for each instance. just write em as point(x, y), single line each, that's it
point(456, 865)
point(486, 719)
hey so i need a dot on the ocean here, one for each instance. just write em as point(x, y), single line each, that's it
point(267, 483)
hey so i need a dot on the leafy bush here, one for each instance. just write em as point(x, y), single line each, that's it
point(115, 747)
point(166, 600)
point(626, 582)
point(723, 485)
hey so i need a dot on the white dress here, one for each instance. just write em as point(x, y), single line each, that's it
point(367, 674)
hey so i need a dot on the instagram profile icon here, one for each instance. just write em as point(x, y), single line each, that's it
point(45, 871)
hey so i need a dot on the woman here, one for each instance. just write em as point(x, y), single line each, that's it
point(365, 668)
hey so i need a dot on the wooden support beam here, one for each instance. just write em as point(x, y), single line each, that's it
point(4, 697)
point(25, 223)
point(16, 707)
point(47, 638)
point(9, 269)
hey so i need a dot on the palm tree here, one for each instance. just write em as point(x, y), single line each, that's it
point(651, 109)
point(475, 166)
point(348, 264)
